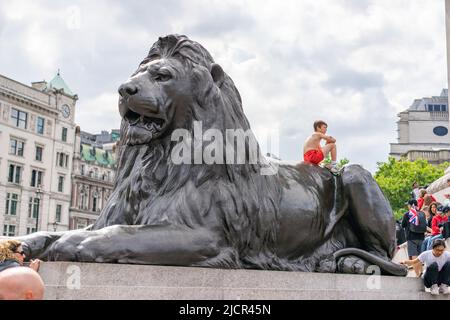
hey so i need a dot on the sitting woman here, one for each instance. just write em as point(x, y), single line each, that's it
point(12, 255)
point(425, 199)
point(437, 225)
point(430, 213)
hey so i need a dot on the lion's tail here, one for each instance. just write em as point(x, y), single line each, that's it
point(386, 266)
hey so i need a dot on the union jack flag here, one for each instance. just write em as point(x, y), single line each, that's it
point(413, 217)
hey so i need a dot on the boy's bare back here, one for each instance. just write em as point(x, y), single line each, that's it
point(313, 142)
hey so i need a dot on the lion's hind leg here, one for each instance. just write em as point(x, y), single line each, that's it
point(370, 214)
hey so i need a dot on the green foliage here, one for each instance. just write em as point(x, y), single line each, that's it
point(395, 177)
point(340, 163)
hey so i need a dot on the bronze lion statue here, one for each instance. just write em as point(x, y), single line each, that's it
point(224, 215)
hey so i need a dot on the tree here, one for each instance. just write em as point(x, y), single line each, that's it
point(395, 177)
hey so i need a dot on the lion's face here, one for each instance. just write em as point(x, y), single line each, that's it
point(149, 98)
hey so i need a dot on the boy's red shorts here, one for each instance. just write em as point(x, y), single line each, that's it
point(313, 156)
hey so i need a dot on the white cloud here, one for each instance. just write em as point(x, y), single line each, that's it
point(354, 63)
point(99, 113)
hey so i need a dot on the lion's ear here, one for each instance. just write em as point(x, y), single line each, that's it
point(217, 74)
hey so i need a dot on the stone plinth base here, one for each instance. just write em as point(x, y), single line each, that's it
point(65, 280)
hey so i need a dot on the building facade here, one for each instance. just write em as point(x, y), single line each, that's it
point(37, 136)
point(93, 177)
point(423, 130)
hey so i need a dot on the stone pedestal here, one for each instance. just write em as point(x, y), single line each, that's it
point(65, 280)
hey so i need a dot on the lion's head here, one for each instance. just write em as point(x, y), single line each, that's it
point(176, 84)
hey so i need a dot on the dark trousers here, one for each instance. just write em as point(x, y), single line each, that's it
point(433, 276)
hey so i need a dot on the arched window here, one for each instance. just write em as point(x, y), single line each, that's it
point(95, 201)
point(83, 198)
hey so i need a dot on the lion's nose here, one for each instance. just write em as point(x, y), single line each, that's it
point(127, 89)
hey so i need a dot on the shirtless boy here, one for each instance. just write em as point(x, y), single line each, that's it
point(313, 152)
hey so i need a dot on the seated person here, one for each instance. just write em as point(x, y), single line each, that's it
point(314, 153)
point(12, 255)
point(437, 262)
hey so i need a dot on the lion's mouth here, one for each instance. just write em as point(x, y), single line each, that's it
point(152, 124)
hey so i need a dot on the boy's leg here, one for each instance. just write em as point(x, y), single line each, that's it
point(444, 274)
point(431, 275)
point(330, 148)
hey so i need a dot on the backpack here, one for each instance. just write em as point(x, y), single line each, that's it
point(422, 227)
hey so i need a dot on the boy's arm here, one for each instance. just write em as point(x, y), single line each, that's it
point(328, 139)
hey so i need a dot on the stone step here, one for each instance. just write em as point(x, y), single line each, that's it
point(66, 280)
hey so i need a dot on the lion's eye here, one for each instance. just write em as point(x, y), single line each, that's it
point(163, 77)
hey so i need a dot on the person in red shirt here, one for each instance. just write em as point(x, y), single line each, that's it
point(437, 226)
point(425, 199)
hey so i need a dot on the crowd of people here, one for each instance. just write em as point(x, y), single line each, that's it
point(425, 226)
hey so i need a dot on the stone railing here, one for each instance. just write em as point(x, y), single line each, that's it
point(439, 115)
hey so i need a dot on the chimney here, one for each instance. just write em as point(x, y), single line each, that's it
point(39, 85)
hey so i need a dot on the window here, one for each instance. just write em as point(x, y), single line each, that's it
point(82, 169)
point(38, 153)
point(94, 204)
point(9, 230)
point(12, 200)
point(83, 200)
point(437, 107)
point(62, 160)
point(80, 224)
point(443, 107)
point(64, 134)
point(36, 178)
point(430, 107)
point(40, 125)
point(31, 230)
point(33, 208)
point(15, 173)
point(16, 147)
point(60, 184)
point(19, 118)
point(58, 213)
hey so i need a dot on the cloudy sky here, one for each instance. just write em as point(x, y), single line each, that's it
point(353, 63)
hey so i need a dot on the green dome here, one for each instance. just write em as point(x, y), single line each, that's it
point(58, 83)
